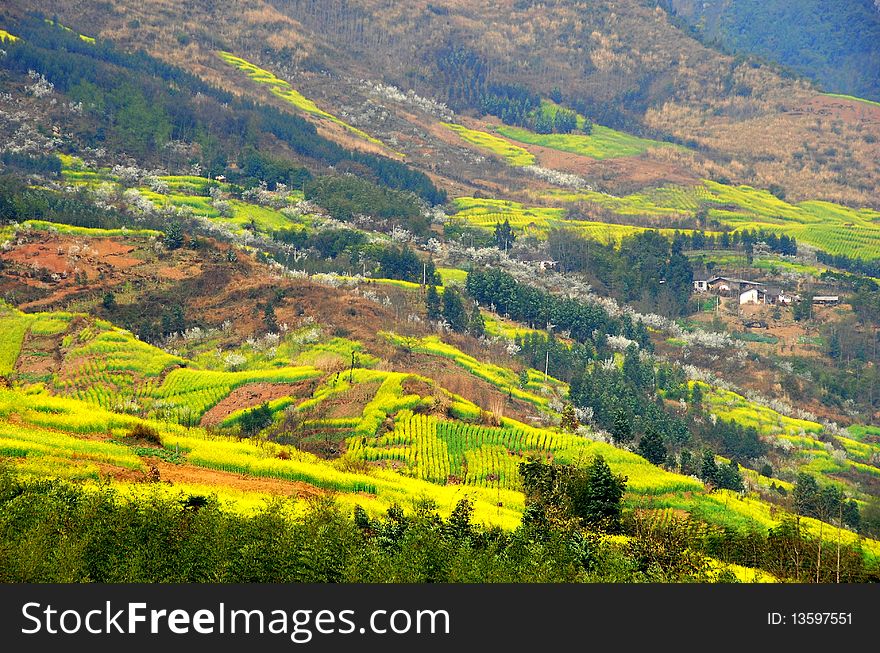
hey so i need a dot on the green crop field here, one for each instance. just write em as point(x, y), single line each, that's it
point(186, 192)
point(452, 275)
point(286, 92)
point(831, 227)
point(13, 326)
point(513, 154)
point(808, 453)
point(6, 36)
point(186, 394)
point(601, 143)
point(537, 221)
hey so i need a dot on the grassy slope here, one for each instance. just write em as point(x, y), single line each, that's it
point(601, 143)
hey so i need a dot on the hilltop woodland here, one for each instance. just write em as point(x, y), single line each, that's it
point(267, 318)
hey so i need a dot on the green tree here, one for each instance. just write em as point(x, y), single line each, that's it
point(686, 462)
point(504, 235)
point(109, 301)
point(270, 319)
point(803, 309)
point(569, 421)
point(850, 514)
point(651, 446)
point(729, 477)
point(621, 432)
point(453, 310)
point(806, 495)
point(708, 468)
point(432, 303)
point(256, 419)
point(174, 236)
point(696, 398)
point(476, 324)
point(596, 496)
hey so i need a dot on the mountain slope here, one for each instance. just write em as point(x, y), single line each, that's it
point(835, 44)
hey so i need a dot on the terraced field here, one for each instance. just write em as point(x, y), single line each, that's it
point(537, 221)
point(185, 192)
point(831, 227)
point(406, 436)
point(838, 459)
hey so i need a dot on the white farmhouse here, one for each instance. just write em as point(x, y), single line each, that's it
point(750, 296)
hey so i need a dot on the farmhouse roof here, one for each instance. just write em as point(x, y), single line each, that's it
point(735, 280)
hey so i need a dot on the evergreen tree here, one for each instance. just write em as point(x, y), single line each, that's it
point(453, 310)
point(504, 235)
point(597, 501)
point(256, 419)
point(476, 324)
point(269, 318)
point(686, 462)
point(569, 421)
point(432, 303)
point(621, 432)
point(174, 236)
point(850, 514)
point(708, 468)
point(834, 345)
point(729, 477)
point(651, 446)
point(806, 496)
point(696, 398)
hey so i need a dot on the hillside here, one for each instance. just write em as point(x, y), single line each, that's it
point(834, 45)
point(404, 270)
point(625, 66)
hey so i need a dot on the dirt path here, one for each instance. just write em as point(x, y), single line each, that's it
point(190, 474)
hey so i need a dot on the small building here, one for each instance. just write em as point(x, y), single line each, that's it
point(775, 295)
point(826, 300)
point(730, 285)
point(701, 285)
point(752, 296)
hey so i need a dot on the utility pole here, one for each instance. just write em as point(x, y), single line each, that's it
point(546, 366)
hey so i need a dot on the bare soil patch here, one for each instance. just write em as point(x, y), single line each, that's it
point(254, 394)
point(190, 474)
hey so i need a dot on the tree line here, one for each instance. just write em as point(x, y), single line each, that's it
point(56, 531)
